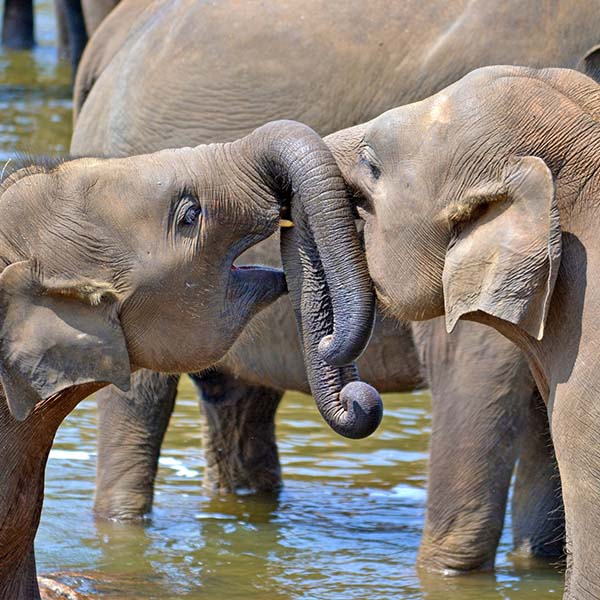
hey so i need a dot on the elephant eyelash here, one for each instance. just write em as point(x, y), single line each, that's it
point(374, 169)
point(187, 211)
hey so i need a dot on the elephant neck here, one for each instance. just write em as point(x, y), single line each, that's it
point(24, 449)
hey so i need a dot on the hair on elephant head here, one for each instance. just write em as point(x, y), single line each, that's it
point(114, 264)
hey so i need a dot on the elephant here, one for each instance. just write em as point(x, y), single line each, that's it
point(76, 21)
point(219, 73)
point(492, 184)
point(95, 11)
point(18, 28)
point(111, 265)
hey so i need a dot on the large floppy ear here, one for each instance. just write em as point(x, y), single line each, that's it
point(55, 334)
point(505, 253)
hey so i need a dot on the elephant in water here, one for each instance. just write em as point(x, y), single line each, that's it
point(181, 72)
point(110, 265)
point(76, 21)
point(481, 203)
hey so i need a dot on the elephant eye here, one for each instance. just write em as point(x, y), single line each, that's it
point(374, 170)
point(191, 214)
point(189, 210)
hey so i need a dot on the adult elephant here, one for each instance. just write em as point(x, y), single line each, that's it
point(178, 72)
point(493, 186)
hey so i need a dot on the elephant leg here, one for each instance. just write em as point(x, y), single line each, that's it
point(239, 434)
point(17, 26)
point(132, 426)
point(537, 508)
point(480, 387)
point(72, 32)
point(575, 426)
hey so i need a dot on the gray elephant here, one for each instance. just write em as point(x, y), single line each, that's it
point(76, 21)
point(116, 264)
point(219, 73)
point(492, 183)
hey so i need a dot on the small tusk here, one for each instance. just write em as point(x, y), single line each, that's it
point(285, 223)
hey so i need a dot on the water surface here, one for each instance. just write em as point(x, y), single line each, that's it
point(346, 525)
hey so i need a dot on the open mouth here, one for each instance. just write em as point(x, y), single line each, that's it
point(246, 268)
point(257, 284)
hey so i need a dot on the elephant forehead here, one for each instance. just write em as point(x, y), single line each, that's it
point(405, 131)
point(438, 110)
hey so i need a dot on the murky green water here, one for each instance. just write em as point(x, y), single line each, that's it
point(347, 524)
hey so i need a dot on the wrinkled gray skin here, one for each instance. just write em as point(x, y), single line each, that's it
point(101, 257)
point(488, 191)
point(222, 71)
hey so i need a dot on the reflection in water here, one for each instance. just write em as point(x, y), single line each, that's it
point(346, 525)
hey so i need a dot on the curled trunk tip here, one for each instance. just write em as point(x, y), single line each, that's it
point(363, 411)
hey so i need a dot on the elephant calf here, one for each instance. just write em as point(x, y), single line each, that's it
point(488, 191)
point(113, 265)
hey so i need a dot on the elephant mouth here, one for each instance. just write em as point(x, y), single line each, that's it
point(256, 286)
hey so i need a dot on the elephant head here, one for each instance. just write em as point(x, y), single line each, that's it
point(113, 264)
point(458, 194)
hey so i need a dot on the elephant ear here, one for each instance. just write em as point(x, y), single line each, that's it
point(590, 63)
point(505, 254)
point(55, 334)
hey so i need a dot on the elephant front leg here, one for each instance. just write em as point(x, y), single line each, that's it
point(132, 426)
point(17, 26)
point(575, 425)
point(537, 508)
point(239, 434)
point(480, 387)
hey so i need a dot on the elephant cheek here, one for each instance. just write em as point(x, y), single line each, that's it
point(407, 288)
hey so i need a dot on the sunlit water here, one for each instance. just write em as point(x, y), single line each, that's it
point(346, 525)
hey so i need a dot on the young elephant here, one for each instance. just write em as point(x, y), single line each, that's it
point(112, 265)
point(488, 193)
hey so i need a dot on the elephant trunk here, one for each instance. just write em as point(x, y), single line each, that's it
point(327, 274)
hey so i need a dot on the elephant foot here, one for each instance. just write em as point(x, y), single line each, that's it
point(455, 557)
point(238, 435)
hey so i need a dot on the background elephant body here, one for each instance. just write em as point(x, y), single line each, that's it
point(178, 72)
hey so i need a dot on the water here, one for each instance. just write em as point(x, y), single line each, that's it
point(347, 524)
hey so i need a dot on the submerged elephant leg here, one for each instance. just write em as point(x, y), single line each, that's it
point(72, 31)
point(537, 509)
point(17, 25)
point(131, 429)
point(480, 386)
point(238, 434)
